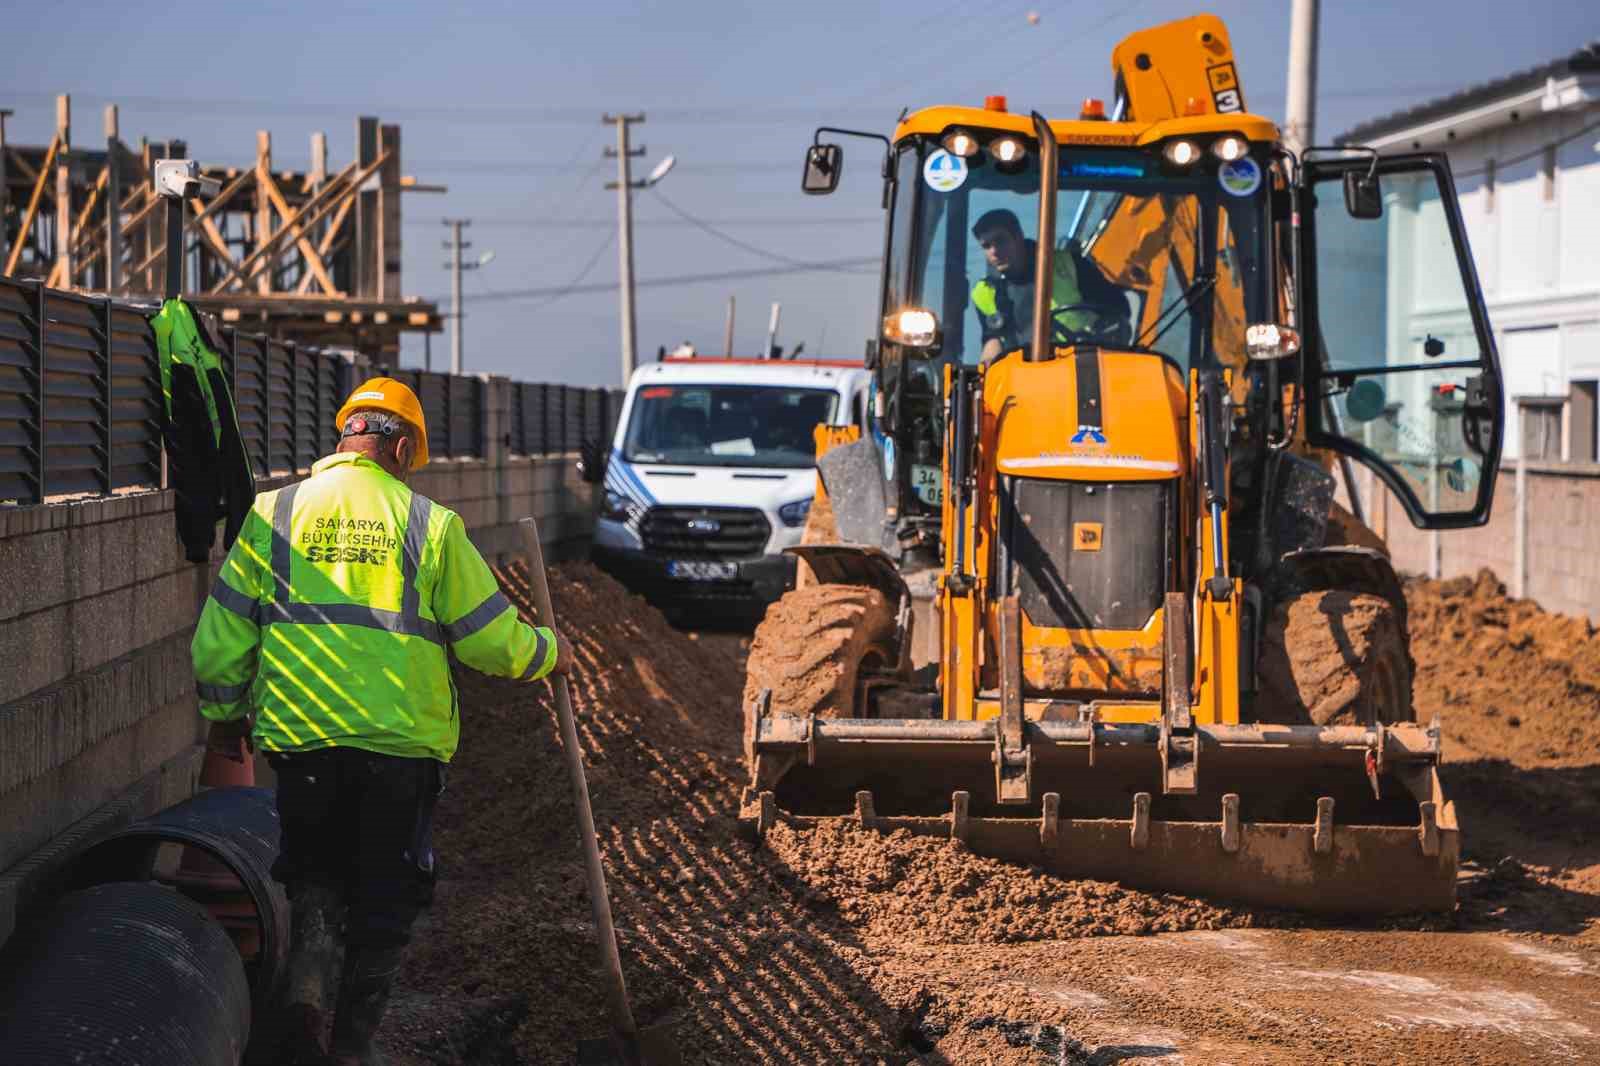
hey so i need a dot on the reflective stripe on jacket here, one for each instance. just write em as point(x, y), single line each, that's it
point(333, 612)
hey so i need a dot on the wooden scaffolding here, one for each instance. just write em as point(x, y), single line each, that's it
point(312, 256)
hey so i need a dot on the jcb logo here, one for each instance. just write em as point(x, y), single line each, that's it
point(328, 553)
point(1086, 536)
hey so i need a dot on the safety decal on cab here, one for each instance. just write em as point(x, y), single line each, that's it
point(1240, 177)
point(944, 172)
point(1087, 536)
point(1225, 94)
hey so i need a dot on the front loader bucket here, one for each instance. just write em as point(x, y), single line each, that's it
point(1337, 820)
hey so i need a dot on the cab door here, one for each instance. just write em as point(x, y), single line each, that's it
point(1400, 367)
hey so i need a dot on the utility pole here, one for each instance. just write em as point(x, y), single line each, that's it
point(457, 314)
point(113, 270)
point(5, 112)
point(1300, 118)
point(772, 332)
point(727, 333)
point(625, 186)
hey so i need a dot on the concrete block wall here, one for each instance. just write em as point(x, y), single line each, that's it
point(98, 720)
point(1540, 540)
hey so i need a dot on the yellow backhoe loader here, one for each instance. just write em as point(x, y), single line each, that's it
point(1076, 599)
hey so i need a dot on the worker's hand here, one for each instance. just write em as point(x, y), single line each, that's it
point(231, 740)
point(563, 654)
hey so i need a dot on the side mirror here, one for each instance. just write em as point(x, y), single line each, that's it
point(1365, 400)
point(592, 461)
point(823, 164)
point(1362, 196)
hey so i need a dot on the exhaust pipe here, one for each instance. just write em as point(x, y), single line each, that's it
point(1044, 253)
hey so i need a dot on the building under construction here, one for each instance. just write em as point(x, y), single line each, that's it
point(310, 256)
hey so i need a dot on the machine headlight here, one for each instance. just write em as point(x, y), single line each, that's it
point(1181, 153)
point(960, 142)
point(1008, 151)
point(1230, 148)
point(794, 514)
point(618, 508)
point(914, 327)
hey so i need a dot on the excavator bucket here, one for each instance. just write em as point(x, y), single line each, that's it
point(1330, 819)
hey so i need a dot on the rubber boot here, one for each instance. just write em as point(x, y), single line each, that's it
point(369, 975)
point(314, 943)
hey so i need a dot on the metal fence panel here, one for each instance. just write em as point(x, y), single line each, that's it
point(19, 361)
point(135, 399)
point(81, 407)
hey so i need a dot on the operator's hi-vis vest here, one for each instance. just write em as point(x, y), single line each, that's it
point(333, 612)
point(997, 303)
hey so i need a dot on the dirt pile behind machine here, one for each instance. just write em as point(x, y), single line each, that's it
point(1155, 660)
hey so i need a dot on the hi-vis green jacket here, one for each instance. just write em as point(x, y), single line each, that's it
point(333, 612)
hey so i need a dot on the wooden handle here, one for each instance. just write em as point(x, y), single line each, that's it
point(594, 871)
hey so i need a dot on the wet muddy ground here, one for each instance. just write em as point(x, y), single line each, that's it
point(845, 947)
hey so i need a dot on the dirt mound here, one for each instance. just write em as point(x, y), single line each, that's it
point(1508, 679)
point(903, 888)
point(1517, 692)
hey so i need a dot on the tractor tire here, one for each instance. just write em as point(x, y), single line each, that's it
point(813, 646)
point(1335, 657)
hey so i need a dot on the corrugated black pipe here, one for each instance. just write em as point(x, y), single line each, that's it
point(124, 974)
point(236, 826)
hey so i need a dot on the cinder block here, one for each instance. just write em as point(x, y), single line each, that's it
point(35, 651)
point(33, 572)
point(48, 805)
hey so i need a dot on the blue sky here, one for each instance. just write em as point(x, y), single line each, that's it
point(502, 102)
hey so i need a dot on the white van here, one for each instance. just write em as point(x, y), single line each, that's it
point(711, 474)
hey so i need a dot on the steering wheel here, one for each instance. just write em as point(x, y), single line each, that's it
point(1108, 328)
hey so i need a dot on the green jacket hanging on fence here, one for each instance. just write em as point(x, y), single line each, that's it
point(206, 462)
point(333, 614)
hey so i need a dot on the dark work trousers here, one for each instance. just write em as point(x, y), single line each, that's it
point(361, 823)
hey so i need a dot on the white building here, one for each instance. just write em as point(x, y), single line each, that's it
point(1525, 151)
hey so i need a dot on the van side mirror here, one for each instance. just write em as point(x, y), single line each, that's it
point(823, 164)
point(1362, 196)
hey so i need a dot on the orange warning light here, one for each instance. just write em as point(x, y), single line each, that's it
point(1194, 106)
point(994, 103)
point(1093, 109)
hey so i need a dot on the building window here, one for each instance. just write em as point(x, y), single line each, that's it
point(1541, 427)
point(1583, 421)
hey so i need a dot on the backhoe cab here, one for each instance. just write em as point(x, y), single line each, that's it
point(1152, 658)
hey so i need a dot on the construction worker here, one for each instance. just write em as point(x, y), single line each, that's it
point(1087, 306)
point(330, 628)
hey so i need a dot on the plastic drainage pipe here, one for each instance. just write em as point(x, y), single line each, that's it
point(124, 974)
point(237, 827)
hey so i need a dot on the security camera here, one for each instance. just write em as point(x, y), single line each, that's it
point(180, 179)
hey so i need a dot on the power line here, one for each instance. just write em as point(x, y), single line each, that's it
point(727, 238)
point(572, 286)
point(866, 265)
point(598, 223)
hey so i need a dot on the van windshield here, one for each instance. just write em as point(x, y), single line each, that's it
point(727, 425)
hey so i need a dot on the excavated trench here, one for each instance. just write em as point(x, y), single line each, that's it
point(838, 946)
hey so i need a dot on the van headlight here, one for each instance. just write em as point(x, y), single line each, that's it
point(618, 508)
point(794, 514)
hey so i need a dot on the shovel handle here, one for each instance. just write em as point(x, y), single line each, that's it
point(594, 871)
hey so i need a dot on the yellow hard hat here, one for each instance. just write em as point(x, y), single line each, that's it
point(395, 397)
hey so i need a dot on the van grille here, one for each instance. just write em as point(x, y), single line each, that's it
point(705, 532)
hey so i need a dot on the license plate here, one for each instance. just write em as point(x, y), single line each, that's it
point(928, 483)
point(702, 570)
